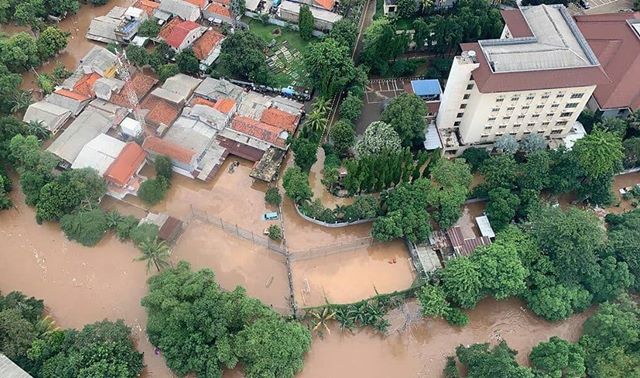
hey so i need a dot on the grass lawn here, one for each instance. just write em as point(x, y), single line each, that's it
point(290, 72)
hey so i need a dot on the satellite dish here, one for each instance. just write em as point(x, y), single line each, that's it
point(472, 54)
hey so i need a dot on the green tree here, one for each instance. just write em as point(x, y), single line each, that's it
point(378, 138)
point(149, 28)
point(502, 207)
point(533, 143)
point(156, 253)
point(613, 125)
point(20, 52)
point(168, 70)
point(305, 153)
point(296, 185)
point(152, 191)
point(342, 136)
point(305, 22)
point(51, 41)
point(407, 8)
point(329, 65)
point(351, 108)
point(535, 171)
point(85, 227)
point(507, 144)
point(501, 271)
point(143, 233)
point(274, 232)
point(16, 333)
point(631, 152)
point(406, 114)
point(500, 171)
point(475, 157)
point(557, 358)
point(188, 62)
point(137, 55)
point(5, 200)
point(433, 301)
point(60, 7)
point(482, 361)
point(451, 180)
point(624, 239)
point(241, 54)
point(163, 167)
point(272, 196)
point(462, 282)
point(559, 301)
point(382, 44)
point(599, 153)
point(344, 31)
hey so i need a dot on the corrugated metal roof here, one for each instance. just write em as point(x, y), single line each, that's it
point(8, 369)
point(88, 125)
point(485, 226)
point(427, 87)
point(99, 153)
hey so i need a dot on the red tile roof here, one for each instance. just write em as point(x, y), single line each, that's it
point(84, 86)
point(198, 3)
point(161, 112)
point(146, 5)
point(617, 47)
point(206, 44)
point(279, 118)
point(141, 85)
point(163, 147)
point(176, 30)
point(219, 10)
point(516, 23)
point(126, 164)
point(73, 95)
point(223, 2)
point(224, 105)
point(202, 101)
point(257, 129)
point(326, 4)
point(490, 82)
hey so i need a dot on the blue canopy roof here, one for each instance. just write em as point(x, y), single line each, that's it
point(429, 87)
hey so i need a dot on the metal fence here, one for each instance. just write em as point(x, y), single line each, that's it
point(331, 249)
point(235, 230)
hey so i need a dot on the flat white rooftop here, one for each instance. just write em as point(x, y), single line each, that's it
point(556, 43)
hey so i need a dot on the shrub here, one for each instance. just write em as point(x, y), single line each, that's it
point(275, 233)
point(149, 28)
point(125, 226)
point(296, 185)
point(164, 167)
point(273, 197)
point(456, 317)
point(351, 108)
point(153, 191)
point(143, 232)
point(85, 227)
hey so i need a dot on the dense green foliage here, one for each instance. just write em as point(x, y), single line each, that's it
point(406, 114)
point(484, 361)
point(154, 190)
point(351, 107)
point(202, 329)
point(296, 185)
point(305, 22)
point(558, 358)
point(364, 207)
point(242, 56)
point(188, 63)
point(330, 66)
point(342, 136)
point(143, 233)
point(149, 28)
point(378, 138)
point(272, 196)
point(85, 227)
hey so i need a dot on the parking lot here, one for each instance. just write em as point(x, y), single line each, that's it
point(377, 92)
point(601, 7)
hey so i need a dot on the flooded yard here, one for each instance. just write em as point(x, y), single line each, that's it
point(347, 277)
point(236, 263)
point(421, 349)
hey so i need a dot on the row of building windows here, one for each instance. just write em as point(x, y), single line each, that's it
point(545, 96)
point(498, 135)
point(530, 125)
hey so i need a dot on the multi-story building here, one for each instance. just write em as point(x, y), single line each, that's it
point(536, 78)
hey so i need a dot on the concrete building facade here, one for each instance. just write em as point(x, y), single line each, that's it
point(536, 79)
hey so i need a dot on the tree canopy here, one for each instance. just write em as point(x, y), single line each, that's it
point(406, 114)
point(241, 54)
point(379, 137)
point(329, 65)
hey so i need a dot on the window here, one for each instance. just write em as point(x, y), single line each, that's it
point(566, 114)
point(513, 133)
point(466, 97)
point(525, 108)
point(530, 97)
point(539, 106)
point(516, 125)
point(506, 118)
point(510, 109)
point(487, 127)
point(577, 95)
point(572, 105)
point(392, 9)
point(459, 115)
point(515, 98)
point(545, 96)
point(535, 115)
point(484, 136)
point(495, 109)
point(561, 123)
point(456, 123)
point(540, 131)
point(544, 124)
point(462, 106)
point(531, 124)
point(560, 95)
point(555, 132)
point(498, 135)
point(555, 106)
point(527, 132)
point(492, 119)
point(499, 99)
point(521, 116)
point(549, 115)
point(503, 126)
point(470, 86)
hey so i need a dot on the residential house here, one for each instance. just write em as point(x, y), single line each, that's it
point(177, 89)
point(72, 101)
point(207, 48)
point(148, 6)
point(140, 84)
point(52, 116)
point(88, 125)
point(177, 8)
point(214, 89)
point(103, 28)
point(536, 79)
point(122, 175)
point(160, 113)
point(258, 6)
point(218, 13)
point(327, 5)
point(181, 34)
point(615, 39)
point(184, 161)
point(99, 153)
point(323, 20)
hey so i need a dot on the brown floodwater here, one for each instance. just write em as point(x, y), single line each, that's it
point(420, 349)
point(77, 25)
point(316, 173)
point(347, 277)
point(79, 285)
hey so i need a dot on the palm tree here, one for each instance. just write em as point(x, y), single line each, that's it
point(21, 101)
point(156, 253)
point(322, 105)
point(37, 129)
point(113, 218)
point(322, 318)
point(46, 326)
point(316, 120)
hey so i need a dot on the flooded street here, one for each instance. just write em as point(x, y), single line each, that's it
point(421, 349)
point(319, 190)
